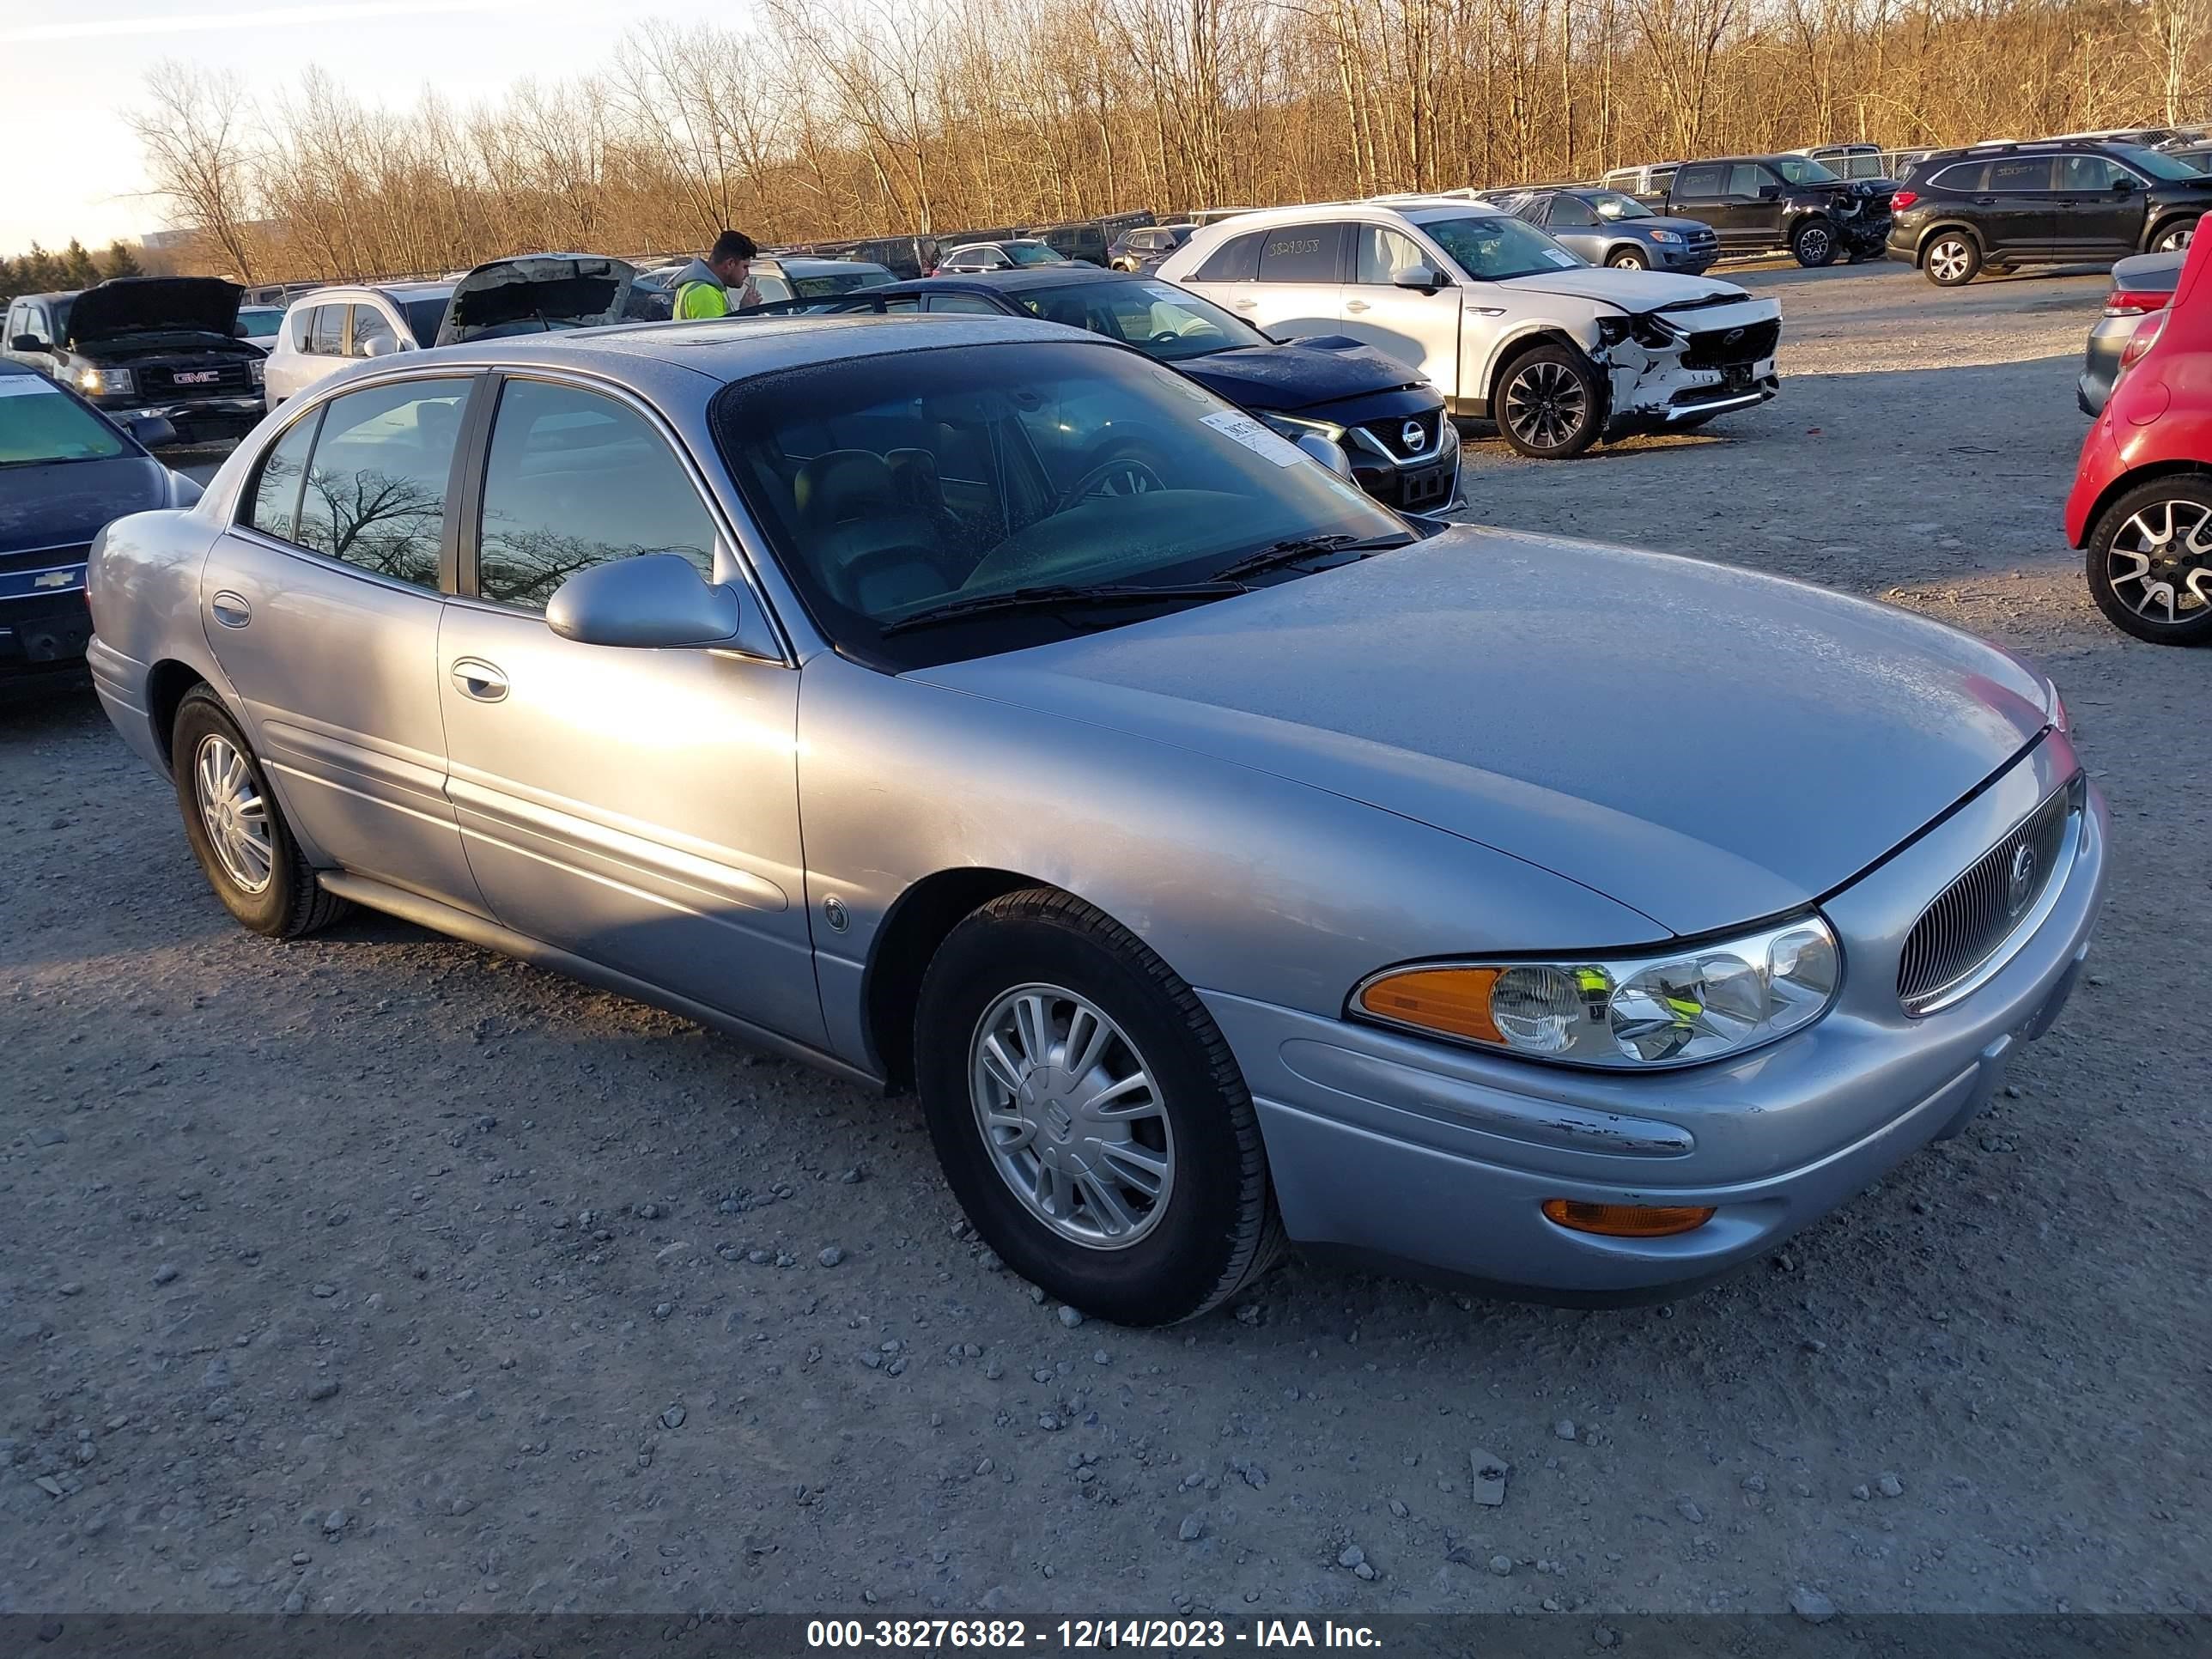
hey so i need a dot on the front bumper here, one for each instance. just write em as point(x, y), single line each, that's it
point(1864, 234)
point(43, 632)
point(1393, 1148)
point(194, 418)
point(1428, 484)
point(1665, 399)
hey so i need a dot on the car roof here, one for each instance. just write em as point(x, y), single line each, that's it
point(1028, 276)
point(808, 264)
point(58, 293)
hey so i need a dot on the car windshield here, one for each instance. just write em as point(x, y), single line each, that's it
point(893, 484)
point(1802, 170)
point(1031, 253)
point(39, 423)
point(2168, 167)
point(1612, 204)
point(1159, 319)
point(258, 323)
point(1495, 247)
point(424, 316)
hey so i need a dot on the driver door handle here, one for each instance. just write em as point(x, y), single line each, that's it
point(1985, 201)
point(1355, 305)
point(476, 678)
point(230, 609)
point(1244, 305)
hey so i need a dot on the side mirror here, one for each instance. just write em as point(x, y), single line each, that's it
point(1421, 276)
point(652, 599)
point(379, 345)
point(2123, 185)
point(1770, 192)
point(1330, 455)
point(154, 431)
point(29, 342)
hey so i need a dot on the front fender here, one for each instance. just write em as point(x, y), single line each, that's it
point(1582, 332)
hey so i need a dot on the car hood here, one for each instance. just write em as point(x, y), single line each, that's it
point(536, 292)
point(1680, 227)
point(69, 502)
point(1632, 290)
point(153, 304)
point(1316, 371)
point(1702, 744)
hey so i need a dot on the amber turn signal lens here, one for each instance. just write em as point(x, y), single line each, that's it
point(1626, 1220)
point(1452, 1000)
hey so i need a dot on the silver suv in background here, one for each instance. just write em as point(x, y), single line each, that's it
point(1505, 322)
point(332, 326)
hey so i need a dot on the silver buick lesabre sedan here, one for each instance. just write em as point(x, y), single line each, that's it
point(973, 705)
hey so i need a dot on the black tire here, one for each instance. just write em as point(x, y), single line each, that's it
point(2179, 508)
point(1814, 244)
point(1627, 258)
point(1529, 383)
point(1217, 1228)
point(292, 904)
point(1952, 259)
point(2172, 236)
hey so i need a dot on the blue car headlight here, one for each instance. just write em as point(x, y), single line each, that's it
point(1664, 236)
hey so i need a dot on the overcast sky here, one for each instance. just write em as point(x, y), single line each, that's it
point(70, 68)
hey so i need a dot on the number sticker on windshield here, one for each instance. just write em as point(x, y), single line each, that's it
point(1559, 259)
point(1255, 437)
point(25, 385)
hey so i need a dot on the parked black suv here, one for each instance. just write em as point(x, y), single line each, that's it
point(1993, 206)
point(1764, 204)
point(1141, 247)
point(147, 345)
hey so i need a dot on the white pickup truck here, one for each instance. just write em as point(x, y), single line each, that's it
point(1509, 325)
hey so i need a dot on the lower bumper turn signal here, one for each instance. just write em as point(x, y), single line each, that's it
point(1627, 1221)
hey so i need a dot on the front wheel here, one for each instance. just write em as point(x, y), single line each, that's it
point(2172, 239)
point(2150, 561)
point(1550, 403)
point(1627, 258)
point(1814, 244)
point(1952, 259)
point(236, 828)
point(1089, 1114)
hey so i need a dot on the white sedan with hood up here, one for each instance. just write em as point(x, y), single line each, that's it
point(1508, 325)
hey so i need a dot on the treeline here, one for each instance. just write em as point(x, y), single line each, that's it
point(75, 266)
point(831, 118)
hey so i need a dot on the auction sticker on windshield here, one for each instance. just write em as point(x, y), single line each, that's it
point(1255, 437)
point(25, 385)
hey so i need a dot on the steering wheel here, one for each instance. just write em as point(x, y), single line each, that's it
point(1137, 477)
point(1166, 337)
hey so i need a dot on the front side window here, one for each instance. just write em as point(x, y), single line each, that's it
point(1235, 261)
point(1747, 178)
point(1033, 253)
point(2014, 173)
point(375, 493)
point(971, 305)
point(1159, 319)
point(40, 424)
point(1570, 213)
point(895, 484)
point(370, 325)
point(2087, 173)
point(1301, 253)
point(1495, 247)
point(575, 479)
point(1385, 254)
point(275, 509)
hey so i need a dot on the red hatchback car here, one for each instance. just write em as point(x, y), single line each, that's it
point(2142, 503)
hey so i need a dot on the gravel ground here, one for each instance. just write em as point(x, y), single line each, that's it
point(378, 1272)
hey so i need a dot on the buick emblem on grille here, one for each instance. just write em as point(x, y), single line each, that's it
point(1412, 436)
point(197, 376)
point(2020, 881)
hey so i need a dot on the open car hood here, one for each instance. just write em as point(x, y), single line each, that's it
point(153, 304)
point(534, 293)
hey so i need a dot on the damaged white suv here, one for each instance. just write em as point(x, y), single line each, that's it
point(1508, 325)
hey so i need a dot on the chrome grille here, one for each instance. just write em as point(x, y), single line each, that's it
point(1390, 433)
point(1973, 917)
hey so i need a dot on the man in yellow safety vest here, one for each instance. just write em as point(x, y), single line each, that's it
point(722, 281)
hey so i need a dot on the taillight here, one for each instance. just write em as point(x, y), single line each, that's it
point(2134, 302)
point(2140, 343)
point(1903, 199)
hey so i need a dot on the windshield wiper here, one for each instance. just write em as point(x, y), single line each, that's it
point(1278, 554)
point(1058, 595)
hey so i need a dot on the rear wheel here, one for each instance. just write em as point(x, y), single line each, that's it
point(1952, 259)
point(1814, 245)
point(2150, 561)
point(1089, 1114)
point(1550, 403)
point(236, 828)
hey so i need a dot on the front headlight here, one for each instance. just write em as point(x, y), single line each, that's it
point(255, 369)
point(96, 382)
point(1291, 427)
point(1650, 1008)
point(1664, 236)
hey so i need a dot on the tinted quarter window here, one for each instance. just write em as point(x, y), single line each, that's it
point(370, 324)
point(2018, 173)
point(1962, 176)
point(375, 495)
point(1746, 179)
point(1702, 181)
point(1301, 253)
point(1233, 261)
point(274, 509)
point(575, 479)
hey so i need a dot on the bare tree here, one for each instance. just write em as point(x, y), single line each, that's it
point(193, 127)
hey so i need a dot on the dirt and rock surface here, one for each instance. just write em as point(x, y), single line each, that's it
point(377, 1272)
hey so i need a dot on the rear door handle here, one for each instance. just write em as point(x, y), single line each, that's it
point(1355, 305)
point(1985, 201)
point(231, 609)
point(1244, 305)
point(478, 679)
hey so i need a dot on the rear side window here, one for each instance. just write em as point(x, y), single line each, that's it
point(375, 494)
point(2019, 173)
point(326, 330)
point(575, 479)
point(1698, 181)
point(1302, 253)
point(275, 510)
point(1233, 261)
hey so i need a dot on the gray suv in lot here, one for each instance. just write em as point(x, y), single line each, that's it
point(1612, 228)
